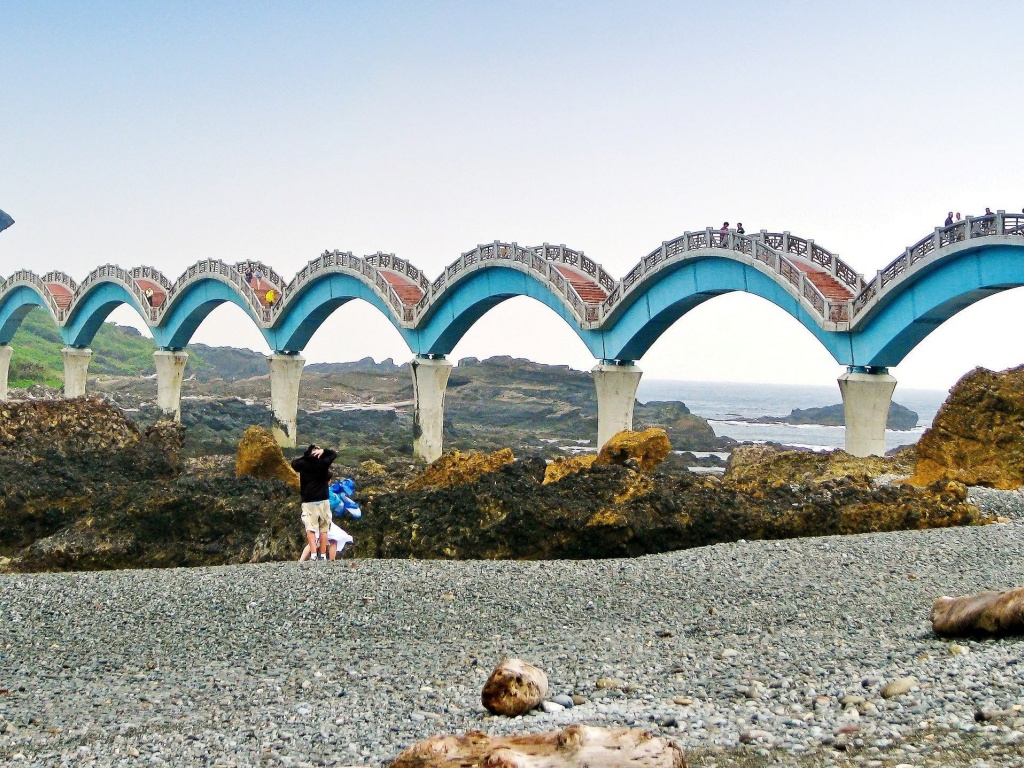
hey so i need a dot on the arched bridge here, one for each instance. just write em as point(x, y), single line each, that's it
point(868, 325)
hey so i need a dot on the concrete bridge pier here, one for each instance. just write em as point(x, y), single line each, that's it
point(285, 372)
point(616, 383)
point(76, 369)
point(867, 395)
point(5, 365)
point(170, 371)
point(429, 380)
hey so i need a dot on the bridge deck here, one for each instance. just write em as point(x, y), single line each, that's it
point(588, 290)
point(830, 288)
point(60, 294)
point(407, 290)
point(159, 295)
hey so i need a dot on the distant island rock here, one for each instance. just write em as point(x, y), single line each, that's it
point(900, 417)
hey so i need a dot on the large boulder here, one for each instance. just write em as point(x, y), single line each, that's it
point(647, 449)
point(977, 437)
point(260, 456)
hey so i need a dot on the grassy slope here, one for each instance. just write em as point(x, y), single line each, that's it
point(37, 346)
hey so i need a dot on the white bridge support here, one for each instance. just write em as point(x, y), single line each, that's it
point(76, 369)
point(429, 380)
point(866, 401)
point(285, 373)
point(616, 394)
point(5, 366)
point(170, 371)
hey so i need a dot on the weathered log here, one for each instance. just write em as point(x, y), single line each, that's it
point(577, 746)
point(990, 613)
point(514, 688)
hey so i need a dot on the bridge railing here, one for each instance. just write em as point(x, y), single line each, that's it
point(538, 259)
point(343, 260)
point(402, 266)
point(258, 266)
point(577, 260)
point(148, 273)
point(230, 274)
point(766, 248)
point(121, 276)
point(27, 277)
point(61, 278)
point(999, 223)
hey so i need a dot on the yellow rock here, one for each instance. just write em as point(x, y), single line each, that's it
point(606, 517)
point(976, 436)
point(569, 465)
point(457, 468)
point(371, 468)
point(259, 455)
point(648, 448)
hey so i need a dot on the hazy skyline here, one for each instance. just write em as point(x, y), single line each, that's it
point(167, 133)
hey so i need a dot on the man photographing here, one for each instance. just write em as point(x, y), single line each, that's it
point(314, 468)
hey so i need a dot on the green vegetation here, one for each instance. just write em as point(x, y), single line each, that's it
point(37, 344)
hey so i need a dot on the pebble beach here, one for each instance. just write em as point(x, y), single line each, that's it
point(799, 652)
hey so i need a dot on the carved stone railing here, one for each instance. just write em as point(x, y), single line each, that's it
point(27, 277)
point(153, 275)
point(402, 266)
point(766, 248)
point(578, 261)
point(121, 276)
point(540, 260)
point(230, 274)
point(258, 266)
point(972, 227)
point(346, 262)
point(61, 278)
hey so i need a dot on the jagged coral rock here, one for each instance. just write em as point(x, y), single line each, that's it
point(977, 437)
point(568, 465)
point(647, 448)
point(60, 426)
point(458, 468)
point(259, 455)
point(754, 466)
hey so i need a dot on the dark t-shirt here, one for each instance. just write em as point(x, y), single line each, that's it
point(314, 474)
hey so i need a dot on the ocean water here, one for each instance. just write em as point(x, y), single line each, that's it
point(724, 403)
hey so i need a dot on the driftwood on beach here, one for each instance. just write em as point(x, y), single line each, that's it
point(574, 747)
point(989, 613)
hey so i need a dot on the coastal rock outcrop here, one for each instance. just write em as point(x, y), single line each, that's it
point(259, 455)
point(613, 511)
point(647, 449)
point(81, 488)
point(457, 468)
point(753, 467)
point(977, 437)
point(900, 417)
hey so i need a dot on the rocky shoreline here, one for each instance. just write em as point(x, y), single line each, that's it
point(747, 654)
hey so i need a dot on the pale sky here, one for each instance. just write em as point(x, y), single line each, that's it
point(164, 133)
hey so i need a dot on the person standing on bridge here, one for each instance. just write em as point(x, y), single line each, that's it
point(739, 229)
point(314, 468)
point(949, 220)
